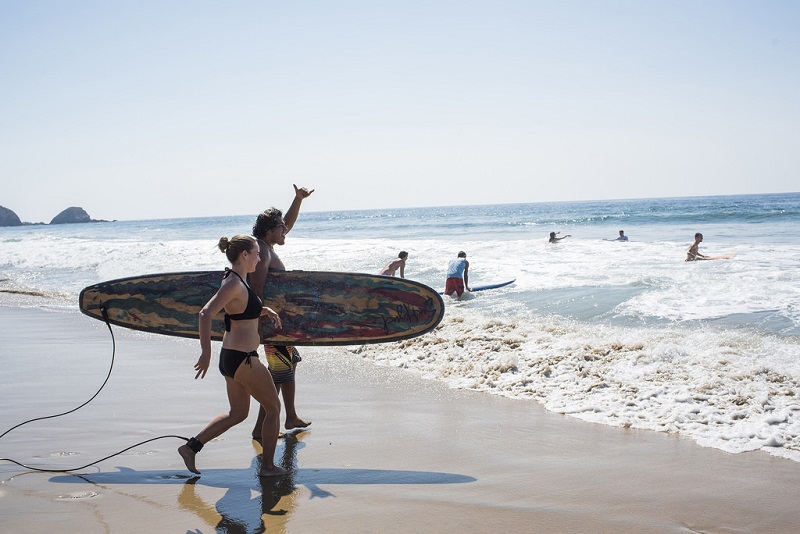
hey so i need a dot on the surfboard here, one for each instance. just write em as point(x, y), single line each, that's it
point(723, 257)
point(316, 307)
point(493, 286)
point(488, 286)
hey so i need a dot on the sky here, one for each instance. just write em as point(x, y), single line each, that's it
point(162, 109)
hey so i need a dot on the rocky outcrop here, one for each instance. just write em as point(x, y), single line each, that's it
point(68, 216)
point(9, 218)
point(72, 215)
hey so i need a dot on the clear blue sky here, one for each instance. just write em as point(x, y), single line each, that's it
point(149, 109)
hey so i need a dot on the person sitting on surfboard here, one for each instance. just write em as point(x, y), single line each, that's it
point(622, 236)
point(270, 229)
point(397, 263)
point(457, 275)
point(693, 253)
point(245, 375)
point(554, 239)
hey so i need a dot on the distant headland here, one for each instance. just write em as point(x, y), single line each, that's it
point(68, 216)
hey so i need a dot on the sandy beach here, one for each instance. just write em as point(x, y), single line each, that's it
point(387, 452)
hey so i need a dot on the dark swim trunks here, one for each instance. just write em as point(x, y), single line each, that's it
point(230, 360)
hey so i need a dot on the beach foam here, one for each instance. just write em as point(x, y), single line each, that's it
point(723, 389)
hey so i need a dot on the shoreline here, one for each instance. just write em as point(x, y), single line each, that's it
point(387, 451)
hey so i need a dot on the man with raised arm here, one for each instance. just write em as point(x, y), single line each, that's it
point(270, 229)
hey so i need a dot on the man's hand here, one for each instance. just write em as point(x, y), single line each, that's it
point(302, 192)
point(272, 316)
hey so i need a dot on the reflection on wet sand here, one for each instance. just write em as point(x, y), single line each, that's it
point(238, 510)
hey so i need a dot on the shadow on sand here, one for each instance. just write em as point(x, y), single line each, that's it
point(252, 503)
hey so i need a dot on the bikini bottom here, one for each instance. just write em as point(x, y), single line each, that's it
point(230, 360)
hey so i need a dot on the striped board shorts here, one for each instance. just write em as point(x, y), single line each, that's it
point(281, 361)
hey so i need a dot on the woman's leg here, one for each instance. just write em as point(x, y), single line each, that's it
point(239, 399)
point(257, 380)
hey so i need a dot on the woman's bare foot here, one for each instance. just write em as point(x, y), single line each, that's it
point(188, 458)
point(296, 423)
point(273, 471)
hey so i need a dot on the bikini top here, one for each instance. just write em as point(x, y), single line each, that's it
point(253, 309)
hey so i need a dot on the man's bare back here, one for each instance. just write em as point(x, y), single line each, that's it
point(398, 263)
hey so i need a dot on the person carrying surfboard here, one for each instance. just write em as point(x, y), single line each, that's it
point(457, 275)
point(245, 375)
point(270, 229)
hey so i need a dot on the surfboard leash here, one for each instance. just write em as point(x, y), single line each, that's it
point(113, 355)
point(108, 376)
point(92, 463)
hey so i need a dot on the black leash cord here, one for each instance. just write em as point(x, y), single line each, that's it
point(113, 354)
point(90, 464)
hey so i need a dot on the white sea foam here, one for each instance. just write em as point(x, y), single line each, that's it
point(724, 389)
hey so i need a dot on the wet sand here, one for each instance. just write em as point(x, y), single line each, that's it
point(387, 452)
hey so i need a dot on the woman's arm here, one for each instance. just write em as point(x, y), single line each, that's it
point(226, 294)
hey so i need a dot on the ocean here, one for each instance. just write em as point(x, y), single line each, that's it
point(623, 334)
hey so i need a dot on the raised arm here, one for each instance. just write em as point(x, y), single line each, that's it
point(290, 217)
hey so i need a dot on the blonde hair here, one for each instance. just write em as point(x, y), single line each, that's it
point(234, 246)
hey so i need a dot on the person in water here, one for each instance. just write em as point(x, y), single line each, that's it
point(245, 375)
point(270, 229)
point(397, 263)
point(554, 239)
point(694, 253)
point(457, 275)
point(622, 236)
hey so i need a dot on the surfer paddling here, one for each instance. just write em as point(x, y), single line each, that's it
point(270, 229)
point(554, 239)
point(398, 263)
point(245, 375)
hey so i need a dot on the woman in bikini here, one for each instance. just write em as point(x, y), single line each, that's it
point(244, 373)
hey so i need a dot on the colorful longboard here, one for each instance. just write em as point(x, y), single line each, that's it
point(316, 307)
